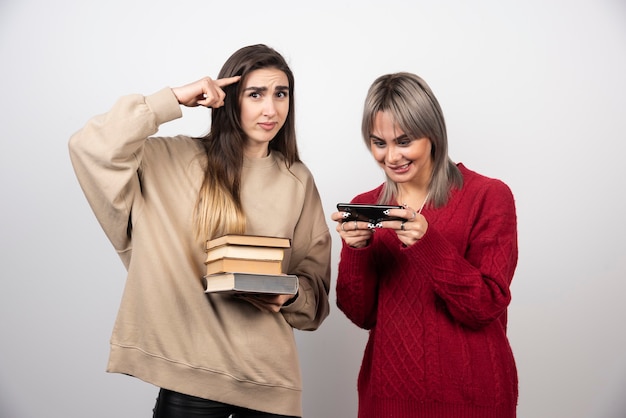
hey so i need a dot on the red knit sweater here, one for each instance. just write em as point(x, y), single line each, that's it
point(436, 310)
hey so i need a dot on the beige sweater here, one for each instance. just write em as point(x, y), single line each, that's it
point(168, 332)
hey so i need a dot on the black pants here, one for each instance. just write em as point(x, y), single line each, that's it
point(171, 404)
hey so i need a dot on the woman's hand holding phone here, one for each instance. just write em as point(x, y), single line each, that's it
point(357, 222)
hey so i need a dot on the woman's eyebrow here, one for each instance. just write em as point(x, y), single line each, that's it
point(254, 88)
point(400, 138)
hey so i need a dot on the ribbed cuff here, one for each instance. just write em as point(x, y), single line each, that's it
point(164, 105)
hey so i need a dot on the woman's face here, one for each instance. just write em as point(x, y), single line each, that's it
point(404, 159)
point(264, 103)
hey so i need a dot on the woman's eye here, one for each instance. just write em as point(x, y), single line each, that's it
point(378, 144)
point(255, 95)
point(281, 94)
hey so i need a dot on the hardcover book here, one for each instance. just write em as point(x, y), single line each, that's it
point(245, 252)
point(228, 265)
point(286, 284)
point(252, 240)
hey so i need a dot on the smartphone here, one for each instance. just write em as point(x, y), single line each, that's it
point(368, 213)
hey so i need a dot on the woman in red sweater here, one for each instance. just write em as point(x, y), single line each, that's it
point(433, 288)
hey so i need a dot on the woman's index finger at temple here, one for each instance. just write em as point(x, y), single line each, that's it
point(227, 81)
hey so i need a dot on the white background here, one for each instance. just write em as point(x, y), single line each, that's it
point(533, 92)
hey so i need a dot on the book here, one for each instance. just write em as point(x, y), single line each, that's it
point(252, 240)
point(241, 265)
point(286, 284)
point(245, 251)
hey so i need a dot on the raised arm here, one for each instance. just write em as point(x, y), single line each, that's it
point(106, 154)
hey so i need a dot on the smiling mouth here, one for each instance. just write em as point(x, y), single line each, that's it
point(399, 167)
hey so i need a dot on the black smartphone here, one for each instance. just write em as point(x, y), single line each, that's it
point(368, 213)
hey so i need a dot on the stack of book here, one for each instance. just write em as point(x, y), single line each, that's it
point(248, 263)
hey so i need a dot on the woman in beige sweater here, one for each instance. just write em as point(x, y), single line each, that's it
point(159, 199)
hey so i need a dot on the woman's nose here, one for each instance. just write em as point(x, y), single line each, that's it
point(393, 154)
point(269, 109)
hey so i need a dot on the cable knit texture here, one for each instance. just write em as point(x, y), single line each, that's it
point(436, 310)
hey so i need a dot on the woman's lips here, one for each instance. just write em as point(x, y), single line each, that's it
point(268, 126)
point(399, 169)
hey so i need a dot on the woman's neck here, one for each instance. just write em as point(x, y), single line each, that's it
point(413, 196)
point(256, 151)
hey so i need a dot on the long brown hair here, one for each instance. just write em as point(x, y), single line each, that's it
point(417, 112)
point(219, 210)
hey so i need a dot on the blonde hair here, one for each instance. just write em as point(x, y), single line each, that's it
point(217, 212)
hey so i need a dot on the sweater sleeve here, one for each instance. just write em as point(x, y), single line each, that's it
point(106, 154)
point(310, 261)
point(357, 285)
point(358, 276)
point(475, 285)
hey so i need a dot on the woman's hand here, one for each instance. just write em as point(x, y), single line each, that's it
point(266, 303)
point(409, 231)
point(204, 92)
point(354, 233)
